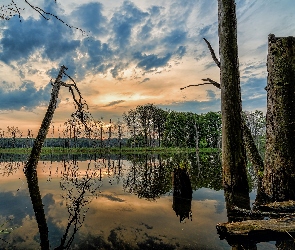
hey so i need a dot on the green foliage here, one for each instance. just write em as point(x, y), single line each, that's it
point(210, 129)
point(184, 128)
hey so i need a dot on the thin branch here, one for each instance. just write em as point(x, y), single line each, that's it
point(210, 81)
point(212, 53)
point(43, 13)
point(39, 10)
point(195, 85)
point(17, 9)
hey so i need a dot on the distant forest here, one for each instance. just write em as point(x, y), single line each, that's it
point(145, 126)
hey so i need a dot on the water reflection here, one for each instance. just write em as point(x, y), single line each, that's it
point(148, 177)
point(79, 190)
point(108, 189)
point(182, 194)
point(32, 180)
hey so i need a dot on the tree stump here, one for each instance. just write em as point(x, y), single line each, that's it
point(279, 173)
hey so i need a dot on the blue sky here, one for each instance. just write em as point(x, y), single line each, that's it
point(132, 53)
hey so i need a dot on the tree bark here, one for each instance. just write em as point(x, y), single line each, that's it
point(279, 174)
point(233, 148)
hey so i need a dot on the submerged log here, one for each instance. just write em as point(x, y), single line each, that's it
point(269, 222)
point(278, 207)
point(257, 230)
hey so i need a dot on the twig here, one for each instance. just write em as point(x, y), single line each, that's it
point(290, 235)
point(212, 53)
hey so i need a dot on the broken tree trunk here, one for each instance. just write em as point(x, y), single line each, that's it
point(31, 165)
point(279, 174)
point(233, 148)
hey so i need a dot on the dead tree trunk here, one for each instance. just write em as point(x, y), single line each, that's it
point(31, 165)
point(279, 174)
point(37, 147)
point(233, 149)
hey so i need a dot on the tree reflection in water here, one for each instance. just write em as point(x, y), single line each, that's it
point(147, 176)
point(182, 194)
point(150, 177)
point(79, 188)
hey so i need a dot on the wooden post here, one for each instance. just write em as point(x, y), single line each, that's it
point(279, 174)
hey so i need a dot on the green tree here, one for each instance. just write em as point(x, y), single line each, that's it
point(146, 124)
point(180, 129)
point(210, 129)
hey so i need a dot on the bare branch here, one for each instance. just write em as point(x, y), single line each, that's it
point(216, 84)
point(66, 84)
point(39, 10)
point(212, 53)
point(70, 78)
point(195, 85)
point(210, 81)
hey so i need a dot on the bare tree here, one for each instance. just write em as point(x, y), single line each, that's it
point(30, 168)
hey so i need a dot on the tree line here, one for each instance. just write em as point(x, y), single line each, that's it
point(150, 125)
point(144, 126)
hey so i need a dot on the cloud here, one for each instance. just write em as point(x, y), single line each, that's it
point(114, 103)
point(145, 80)
point(181, 51)
point(148, 62)
point(124, 20)
point(175, 37)
point(254, 94)
point(21, 40)
point(27, 96)
point(91, 18)
point(128, 38)
point(194, 106)
point(211, 94)
point(19, 205)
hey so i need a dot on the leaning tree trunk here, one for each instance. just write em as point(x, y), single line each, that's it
point(279, 174)
point(31, 165)
point(233, 149)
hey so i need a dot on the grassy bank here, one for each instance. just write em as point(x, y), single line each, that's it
point(112, 150)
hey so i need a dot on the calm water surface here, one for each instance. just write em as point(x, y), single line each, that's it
point(144, 202)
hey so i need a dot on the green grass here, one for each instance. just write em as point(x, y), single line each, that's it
point(113, 150)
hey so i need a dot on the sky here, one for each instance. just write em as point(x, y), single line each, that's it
point(130, 53)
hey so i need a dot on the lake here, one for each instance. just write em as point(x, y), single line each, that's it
point(115, 202)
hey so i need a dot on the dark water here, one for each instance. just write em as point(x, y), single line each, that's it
point(139, 202)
